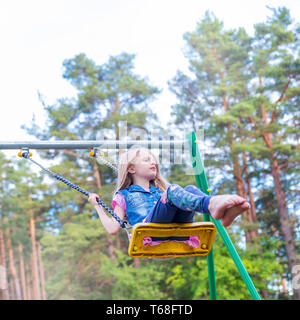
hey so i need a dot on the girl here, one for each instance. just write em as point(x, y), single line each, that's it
point(143, 195)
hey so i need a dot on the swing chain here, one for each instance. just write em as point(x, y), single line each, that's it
point(27, 155)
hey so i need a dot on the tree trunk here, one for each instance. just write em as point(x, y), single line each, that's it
point(21, 265)
point(11, 289)
point(237, 171)
point(117, 128)
point(115, 111)
point(11, 262)
point(3, 273)
point(97, 175)
point(284, 290)
point(282, 280)
point(34, 262)
point(41, 268)
point(285, 224)
point(252, 217)
point(241, 191)
point(22, 272)
point(28, 276)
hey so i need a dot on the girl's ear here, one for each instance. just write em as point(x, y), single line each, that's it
point(131, 169)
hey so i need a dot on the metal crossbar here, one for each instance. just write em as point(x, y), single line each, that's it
point(90, 144)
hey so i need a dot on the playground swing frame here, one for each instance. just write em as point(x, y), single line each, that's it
point(201, 182)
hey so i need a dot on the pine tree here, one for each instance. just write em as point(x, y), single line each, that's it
point(106, 95)
point(245, 92)
point(277, 70)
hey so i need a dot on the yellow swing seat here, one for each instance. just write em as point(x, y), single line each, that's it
point(204, 230)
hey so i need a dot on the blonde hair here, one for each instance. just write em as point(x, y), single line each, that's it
point(127, 159)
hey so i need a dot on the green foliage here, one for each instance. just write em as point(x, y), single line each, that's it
point(133, 283)
point(188, 278)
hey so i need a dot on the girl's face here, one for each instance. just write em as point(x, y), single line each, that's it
point(144, 166)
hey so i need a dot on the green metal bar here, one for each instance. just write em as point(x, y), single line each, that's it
point(203, 185)
point(211, 269)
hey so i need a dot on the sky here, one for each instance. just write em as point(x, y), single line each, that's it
point(37, 36)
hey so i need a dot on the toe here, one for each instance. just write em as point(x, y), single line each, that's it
point(231, 214)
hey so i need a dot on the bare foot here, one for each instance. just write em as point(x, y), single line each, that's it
point(232, 213)
point(227, 207)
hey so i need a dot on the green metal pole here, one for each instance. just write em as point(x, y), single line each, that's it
point(203, 185)
point(211, 269)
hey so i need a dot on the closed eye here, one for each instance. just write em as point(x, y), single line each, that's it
point(148, 160)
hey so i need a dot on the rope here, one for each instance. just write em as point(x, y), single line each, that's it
point(123, 224)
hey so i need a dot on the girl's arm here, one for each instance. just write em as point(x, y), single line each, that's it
point(111, 225)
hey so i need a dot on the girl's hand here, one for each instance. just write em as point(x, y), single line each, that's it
point(92, 199)
point(163, 198)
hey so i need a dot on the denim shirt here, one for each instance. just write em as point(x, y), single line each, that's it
point(139, 202)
